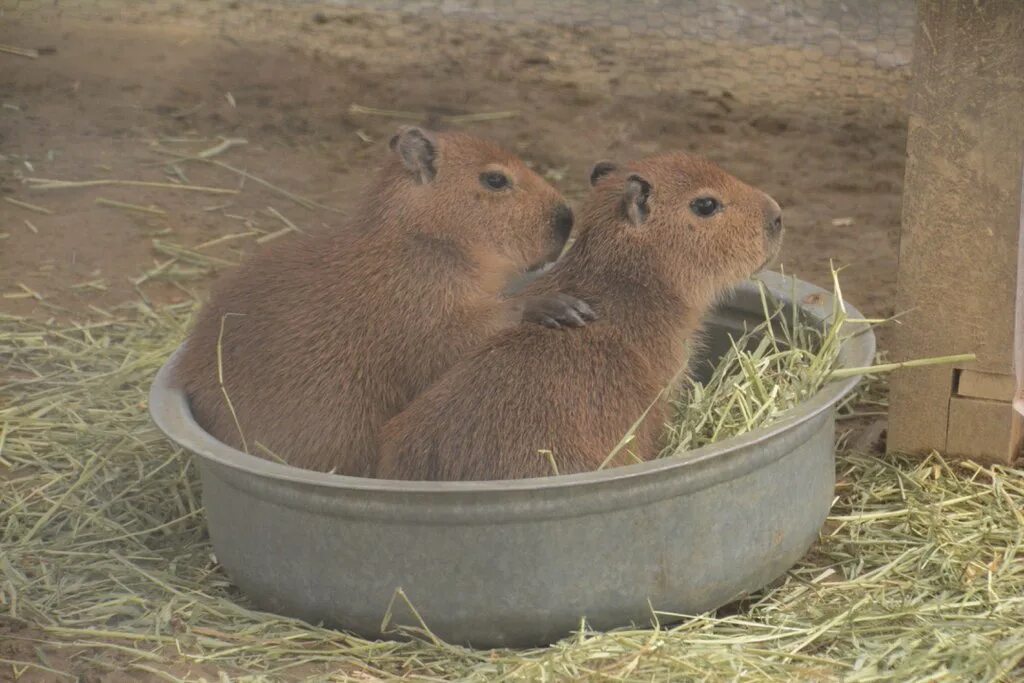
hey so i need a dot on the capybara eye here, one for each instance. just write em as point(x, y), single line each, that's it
point(705, 206)
point(493, 180)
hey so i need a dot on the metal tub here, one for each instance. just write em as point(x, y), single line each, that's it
point(520, 563)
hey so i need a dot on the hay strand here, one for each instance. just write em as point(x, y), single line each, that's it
point(420, 116)
point(220, 380)
point(30, 207)
point(20, 51)
point(277, 214)
point(154, 210)
point(245, 175)
point(840, 373)
point(48, 184)
point(224, 145)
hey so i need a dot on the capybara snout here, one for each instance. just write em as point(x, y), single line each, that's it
point(773, 224)
point(561, 227)
point(773, 230)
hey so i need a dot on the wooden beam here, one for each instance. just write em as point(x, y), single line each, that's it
point(984, 430)
point(961, 237)
point(987, 385)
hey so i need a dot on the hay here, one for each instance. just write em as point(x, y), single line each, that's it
point(918, 576)
point(30, 207)
point(454, 119)
point(40, 184)
point(20, 51)
point(112, 203)
point(244, 175)
point(769, 370)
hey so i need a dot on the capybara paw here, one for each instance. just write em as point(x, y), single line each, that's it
point(557, 311)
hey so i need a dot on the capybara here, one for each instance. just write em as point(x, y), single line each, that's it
point(309, 347)
point(659, 240)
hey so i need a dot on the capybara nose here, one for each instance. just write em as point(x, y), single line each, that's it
point(561, 222)
point(773, 219)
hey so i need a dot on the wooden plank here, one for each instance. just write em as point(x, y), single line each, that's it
point(962, 203)
point(987, 431)
point(1018, 361)
point(919, 410)
point(986, 385)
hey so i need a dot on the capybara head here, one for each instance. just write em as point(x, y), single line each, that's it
point(461, 187)
point(683, 218)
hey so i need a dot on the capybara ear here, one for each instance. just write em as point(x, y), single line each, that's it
point(600, 170)
point(634, 199)
point(417, 150)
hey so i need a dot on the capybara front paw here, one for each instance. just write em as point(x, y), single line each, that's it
point(557, 311)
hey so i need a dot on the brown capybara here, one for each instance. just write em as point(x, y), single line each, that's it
point(323, 337)
point(659, 241)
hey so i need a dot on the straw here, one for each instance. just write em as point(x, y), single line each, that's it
point(769, 370)
point(224, 145)
point(106, 562)
point(840, 373)
point(220, 380)
point(154, 210)
point(30, 207)
point(20, 51)
point(417, 115)
point(48, 184)
point(245, 175)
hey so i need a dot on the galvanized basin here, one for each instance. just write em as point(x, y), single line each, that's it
point(520, 563)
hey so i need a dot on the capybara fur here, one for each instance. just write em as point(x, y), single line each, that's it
point(659, 240)
point(321, 338)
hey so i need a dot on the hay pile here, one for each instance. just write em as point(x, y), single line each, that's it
point(773, 367)
point(919, 574)
point(769, 370)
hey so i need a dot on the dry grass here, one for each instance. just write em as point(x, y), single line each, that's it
point(918, 576)
point(770, 369)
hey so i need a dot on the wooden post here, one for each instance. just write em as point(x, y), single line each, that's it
point(961, 271)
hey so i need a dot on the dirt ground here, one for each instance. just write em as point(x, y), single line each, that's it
point(113, 95)
point(135, 91)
